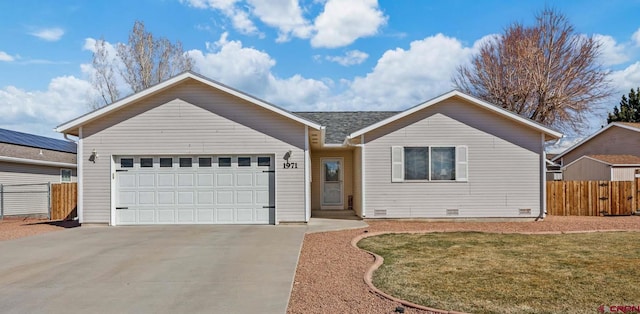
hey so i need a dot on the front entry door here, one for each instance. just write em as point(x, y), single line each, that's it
point(332, 183)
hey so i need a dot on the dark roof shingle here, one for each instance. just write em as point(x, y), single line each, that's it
point(339, 124)
point(31, 140)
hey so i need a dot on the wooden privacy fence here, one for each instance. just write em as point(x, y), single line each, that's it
point(64, 200)
point(593, 198)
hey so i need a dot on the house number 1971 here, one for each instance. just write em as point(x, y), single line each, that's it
point(290, 165)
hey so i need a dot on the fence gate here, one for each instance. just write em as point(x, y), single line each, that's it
point(593, 198)
point(25, 199)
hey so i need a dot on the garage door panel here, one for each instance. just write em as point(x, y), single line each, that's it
point(224, 180)
point(186, 179)
point(229, 193)
point(205, 197)
point(206, 215)
point(166, 198)
point(244, 179)
point(262, 198)
point(166, 215)
point(244, 197)
point(224, 215)
point(205, 180)
point(127, 216)
point(127, 180)
point(262, 214)
point(245, 215)
point(224, 197)
point(146, 216)
point(146, 197)
point(166, 180)
point(262, 179)
point(186, 216)
point(186, 198)
point(146, 180)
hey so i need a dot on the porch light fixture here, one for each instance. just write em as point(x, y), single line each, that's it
point(287, 155)
point(93, 157)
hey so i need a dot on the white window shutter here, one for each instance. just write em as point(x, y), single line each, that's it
point(462, 163)
point(397, 164)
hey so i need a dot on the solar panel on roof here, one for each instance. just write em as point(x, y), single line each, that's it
point(31, 140)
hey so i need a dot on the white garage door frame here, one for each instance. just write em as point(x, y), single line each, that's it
point(115, 165)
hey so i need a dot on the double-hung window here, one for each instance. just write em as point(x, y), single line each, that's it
point(429, 163)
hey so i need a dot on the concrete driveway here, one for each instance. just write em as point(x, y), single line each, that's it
point(167, 269)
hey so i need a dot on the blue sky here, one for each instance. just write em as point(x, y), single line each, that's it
point(301, 55)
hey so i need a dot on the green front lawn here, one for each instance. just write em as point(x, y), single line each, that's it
point(510, 273)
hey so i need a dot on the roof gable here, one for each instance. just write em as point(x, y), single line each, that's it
point(31, 140)
point(624, 125)
point(617, 159)
point(96, 114)
point(549, 133)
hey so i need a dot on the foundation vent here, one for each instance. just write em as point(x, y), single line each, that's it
point(452, 212)
point(380, 212)
point(524, 211)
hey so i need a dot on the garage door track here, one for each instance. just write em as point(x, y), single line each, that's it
point(168, 269)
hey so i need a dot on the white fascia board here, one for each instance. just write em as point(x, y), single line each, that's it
point(610, 125)
point(473, 100)
point(64, 128)
point(37, 162)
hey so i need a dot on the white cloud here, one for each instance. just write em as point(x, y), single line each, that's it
point(49, 34)
point(340, 23)
point(636, 37)
point(612, 52)
point(352, 57)
point(250, 70)
point(627, 78)
point(402, 78)
point(285, 15)
point(344, 21)
point(6, 57)
point(39, 112)
point(562, 144)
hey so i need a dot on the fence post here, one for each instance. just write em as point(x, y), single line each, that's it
point(49, 199)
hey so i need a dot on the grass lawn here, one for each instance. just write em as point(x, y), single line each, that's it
point(510, 273)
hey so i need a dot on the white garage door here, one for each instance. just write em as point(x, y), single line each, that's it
point(195, 190)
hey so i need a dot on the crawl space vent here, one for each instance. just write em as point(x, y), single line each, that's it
point(379, 212)
point(452, 212)
point(524, 211)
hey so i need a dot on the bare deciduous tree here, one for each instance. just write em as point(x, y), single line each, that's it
point(142, 62)
point(547, 72)
point(103, 78)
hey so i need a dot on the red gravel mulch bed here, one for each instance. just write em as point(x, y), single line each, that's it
point(13, 228)
point(329, 277)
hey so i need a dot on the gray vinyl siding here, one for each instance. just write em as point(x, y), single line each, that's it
point(34, 202)
point(504, 165)
point(614, 141)
point(192, 119)
point(19, 151)
point(586, 169)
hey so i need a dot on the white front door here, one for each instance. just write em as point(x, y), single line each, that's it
point(332, 183)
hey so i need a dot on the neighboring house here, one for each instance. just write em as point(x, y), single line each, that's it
point(603, 168)
point(554, 170)
point(27, 164)
point(617, 138)
point(193, 151)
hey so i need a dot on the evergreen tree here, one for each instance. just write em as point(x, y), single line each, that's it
point(629, 110)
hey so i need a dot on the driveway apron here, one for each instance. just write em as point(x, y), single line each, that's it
point(159, 269)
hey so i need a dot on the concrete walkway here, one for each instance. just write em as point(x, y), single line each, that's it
point(329, 224)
